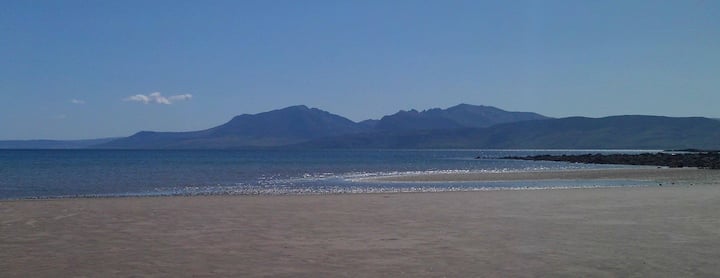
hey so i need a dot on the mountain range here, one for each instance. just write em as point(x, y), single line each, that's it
point(461, 126)
point(300, 125)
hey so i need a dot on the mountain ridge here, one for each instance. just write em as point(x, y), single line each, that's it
point(458, 116)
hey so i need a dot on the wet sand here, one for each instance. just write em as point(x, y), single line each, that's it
point(658, 231)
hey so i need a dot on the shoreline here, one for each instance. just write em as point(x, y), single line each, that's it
point(643, 175)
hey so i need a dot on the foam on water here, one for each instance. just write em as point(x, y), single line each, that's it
point(364, 182)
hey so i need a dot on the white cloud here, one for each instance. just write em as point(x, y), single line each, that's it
point(141, 98)
point(158, 98)
point(181, 97)
point(77, 101)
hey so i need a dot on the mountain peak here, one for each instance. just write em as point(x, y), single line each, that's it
point(472, 106)
point(463, 105)
point(297, 107)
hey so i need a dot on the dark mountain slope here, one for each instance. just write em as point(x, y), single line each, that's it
point(414, 120)
point(611, 132)
point(484, 116)
point(298, 122)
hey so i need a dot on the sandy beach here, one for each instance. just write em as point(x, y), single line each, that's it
point(654, 231)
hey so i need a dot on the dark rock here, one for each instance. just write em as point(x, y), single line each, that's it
point(706, 160)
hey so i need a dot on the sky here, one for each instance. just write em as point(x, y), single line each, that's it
point(94, 69)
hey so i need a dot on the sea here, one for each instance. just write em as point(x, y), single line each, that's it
point(28, 174)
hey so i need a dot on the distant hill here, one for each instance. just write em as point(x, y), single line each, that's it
point(459, 116)
point(461, 126)
point(274, 128)
point(52, 144)
point(621, 132)
point(617, 132)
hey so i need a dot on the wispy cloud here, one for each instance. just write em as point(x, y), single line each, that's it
point(158, 98)
point(77, 101)
point(180, 97)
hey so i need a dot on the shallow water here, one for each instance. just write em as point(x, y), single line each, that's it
point(61, 173)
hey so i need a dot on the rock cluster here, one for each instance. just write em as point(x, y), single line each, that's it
point(707, 160)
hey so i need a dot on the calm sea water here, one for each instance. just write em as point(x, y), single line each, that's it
point(62, 173)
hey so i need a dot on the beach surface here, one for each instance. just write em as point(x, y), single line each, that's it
point(652, 231)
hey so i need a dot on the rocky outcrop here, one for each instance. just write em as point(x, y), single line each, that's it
point(707, 160)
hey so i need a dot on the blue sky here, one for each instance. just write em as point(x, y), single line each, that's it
point(89, 69)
